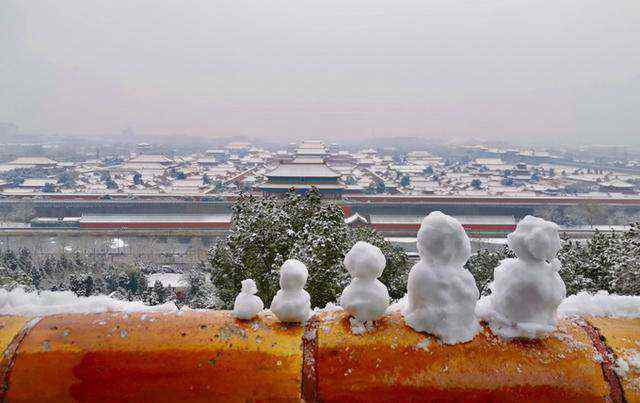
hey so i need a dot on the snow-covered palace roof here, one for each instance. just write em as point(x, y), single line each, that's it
point(303, 170)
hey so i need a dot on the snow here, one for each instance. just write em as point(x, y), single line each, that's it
point(621, 367)
point(441, 293)
point(633, 358)
point(359, 327)
point(247, 305)
point(526, 292)
point(117, 243)
point(174, 280)
point(397, 306)
point(20, 302)
point(423, 345)
point(292, 303)
point(600, 304)
point(365, 298)
point(330, 307)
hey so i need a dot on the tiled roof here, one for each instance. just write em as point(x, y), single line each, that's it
point(315, 170)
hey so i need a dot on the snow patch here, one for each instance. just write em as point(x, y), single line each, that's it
point(526, 292)
point(359, 327)
point(365, 298)
point(174, 280)
point(330, 307)
point(292, 303)
point(397, 306)
point(621, 367)
point(247, 305)
point(441, 294)
point(423, 345)
point(633, 358)
point(600, 304)
point(20, 302)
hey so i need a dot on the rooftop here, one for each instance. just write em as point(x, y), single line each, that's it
point(154, 218)
point(295, 170)
point(33, 161)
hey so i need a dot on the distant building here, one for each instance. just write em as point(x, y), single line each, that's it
point(32, 162)
point(218, 155)
point(148, 165)
point(143, 148)
point(38, 184)
point(617, 186)
point(311, 149)
point(488, 161)
point(301, 175)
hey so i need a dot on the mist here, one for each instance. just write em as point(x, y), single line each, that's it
point(518, 70)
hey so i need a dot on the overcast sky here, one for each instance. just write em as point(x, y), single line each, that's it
point(286, 69)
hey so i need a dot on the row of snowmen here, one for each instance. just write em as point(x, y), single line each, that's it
point(442, 298)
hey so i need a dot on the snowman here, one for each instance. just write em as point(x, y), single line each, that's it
point(247, 305)
point(292, 303)
point(526, 292)
point(441, 293)
point(365, 298)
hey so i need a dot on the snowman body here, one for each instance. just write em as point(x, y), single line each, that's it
point(526, 292)
point(365, 298)
point(441, 293)
point(247, 305)
point(292, 303)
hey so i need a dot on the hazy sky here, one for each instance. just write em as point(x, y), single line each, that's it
point(296, 68)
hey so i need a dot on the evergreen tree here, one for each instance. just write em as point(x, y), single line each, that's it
point(157, 294)
point(608, 261)
point(267, 231)
point(200, 292)
point(405, 181)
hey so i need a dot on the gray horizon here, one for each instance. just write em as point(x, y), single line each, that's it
point(519, 70)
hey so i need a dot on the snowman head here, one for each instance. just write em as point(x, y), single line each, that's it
point(249, 287)
point(442, 241)
point(365, 261)
point(293, 275)
point(535, 239)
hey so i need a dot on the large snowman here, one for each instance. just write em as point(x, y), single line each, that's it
point(441, 293)
point(526, 292)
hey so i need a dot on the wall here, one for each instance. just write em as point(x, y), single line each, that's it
point(209, 356)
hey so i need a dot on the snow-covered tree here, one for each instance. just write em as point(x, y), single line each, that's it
point(608, 261)
point(265, 232)
point(157, 294)
point(200, 292)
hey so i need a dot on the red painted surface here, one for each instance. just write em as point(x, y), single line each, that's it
point(156, 225)
point(470, 227)
point(358, 198)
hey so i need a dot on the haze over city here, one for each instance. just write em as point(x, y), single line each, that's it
point(289, 70)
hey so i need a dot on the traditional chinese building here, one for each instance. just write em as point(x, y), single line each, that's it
point(301, 175)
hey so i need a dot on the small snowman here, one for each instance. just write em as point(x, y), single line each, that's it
point(441, 293)
point(247, 305)
point(292, 303)
point(526, 292)
point(365, 298)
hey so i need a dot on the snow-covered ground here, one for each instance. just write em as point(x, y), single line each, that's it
point(174, 280)
point(600, 304)
point(19, 302)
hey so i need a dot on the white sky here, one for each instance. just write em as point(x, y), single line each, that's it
point(484, 68)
